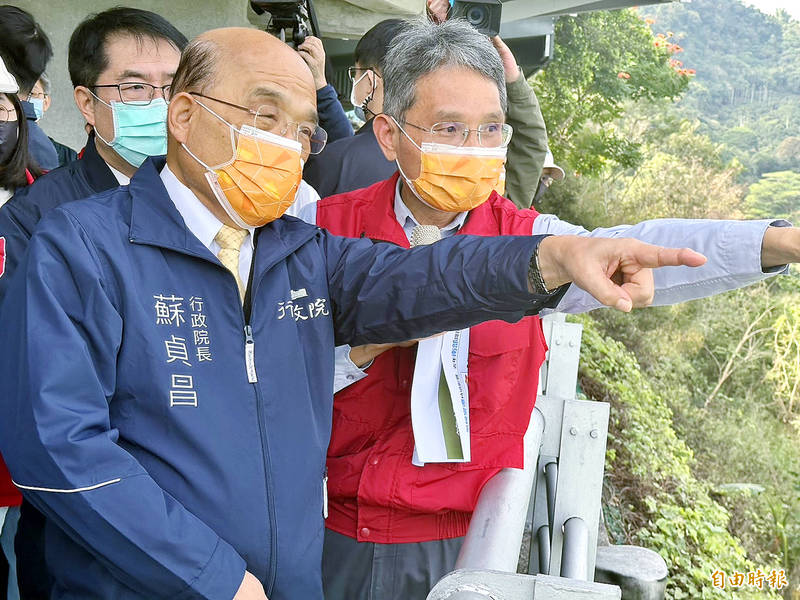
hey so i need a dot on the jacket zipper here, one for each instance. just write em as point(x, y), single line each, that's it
point(250, 354)
point(252, 378)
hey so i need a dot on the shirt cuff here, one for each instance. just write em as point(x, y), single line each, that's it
point(346, 372)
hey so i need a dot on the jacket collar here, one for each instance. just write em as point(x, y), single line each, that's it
point(156, 222)
point(380, 221)
point(28, 110)
point(94, 168)
point(366, 128)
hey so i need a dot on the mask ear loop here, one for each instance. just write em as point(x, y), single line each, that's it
point(371, 96)
point(113, 120)
point(407, 181)
point(231, 129)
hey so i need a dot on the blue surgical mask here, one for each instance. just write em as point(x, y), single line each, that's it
point(140, 130)
point(38, 107)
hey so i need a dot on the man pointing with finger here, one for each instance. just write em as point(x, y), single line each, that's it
point(401, 498)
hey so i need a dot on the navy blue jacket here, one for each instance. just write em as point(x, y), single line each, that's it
point(39, 145)
point(349, 164)
point(332, 117)
point(173, 439)
point(18, 217)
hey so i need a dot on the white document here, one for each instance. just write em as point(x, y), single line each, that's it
point(448, 354)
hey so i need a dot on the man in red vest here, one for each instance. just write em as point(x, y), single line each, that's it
point(401, 497)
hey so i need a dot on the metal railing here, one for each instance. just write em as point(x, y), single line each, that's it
point(555, 499)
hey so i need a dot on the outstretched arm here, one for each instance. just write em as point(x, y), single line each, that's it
point(382, 293)
point(739, 253)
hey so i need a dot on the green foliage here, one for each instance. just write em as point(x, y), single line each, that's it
point(747, 86)
point(676, 514)
point(775, 195)
point(602, 60)
point(785, 371)
point(738, 436)
point(711, 398)
point(682, 174)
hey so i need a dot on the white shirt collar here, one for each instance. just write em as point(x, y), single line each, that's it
point(5, 195)
point(121, 178)
point(408, 222)
point(200, 221)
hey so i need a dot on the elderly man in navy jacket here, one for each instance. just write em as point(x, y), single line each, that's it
point(166, 382)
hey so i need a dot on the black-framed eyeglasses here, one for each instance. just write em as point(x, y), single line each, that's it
point(352, 72)
point(452, 133)
point(271, 118)
point(136, 92)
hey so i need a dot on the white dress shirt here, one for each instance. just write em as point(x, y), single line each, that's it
point(121, 178)
point(5, 195)
point(202, 222)
point(305, 195)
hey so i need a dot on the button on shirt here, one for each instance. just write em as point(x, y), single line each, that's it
point(202, 222)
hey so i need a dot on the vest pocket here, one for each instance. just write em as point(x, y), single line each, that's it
point(498, 337)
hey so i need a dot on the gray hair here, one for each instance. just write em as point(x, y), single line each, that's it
point(197, 68)
point(422, 47)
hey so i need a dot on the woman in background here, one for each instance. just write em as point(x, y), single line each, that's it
point(17, 167)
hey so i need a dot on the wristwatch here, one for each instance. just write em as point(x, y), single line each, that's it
point(535, 275)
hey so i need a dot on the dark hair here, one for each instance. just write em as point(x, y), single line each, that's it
point(373, 46)
point(87, 46)
point(12, 173)
point(24, 46)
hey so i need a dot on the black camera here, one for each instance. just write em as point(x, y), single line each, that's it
point(483, 15)
point(297, 16)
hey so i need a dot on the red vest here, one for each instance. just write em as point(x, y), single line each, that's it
point(375, 493)
point(9, 494)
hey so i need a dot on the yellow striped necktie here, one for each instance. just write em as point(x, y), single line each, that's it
point(230, 243)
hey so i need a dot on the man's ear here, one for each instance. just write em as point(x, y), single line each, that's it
point(46, 103)
point(386, 132)
point(85, 103)
point(182, 108)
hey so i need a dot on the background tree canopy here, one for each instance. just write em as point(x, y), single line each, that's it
point(689, 110)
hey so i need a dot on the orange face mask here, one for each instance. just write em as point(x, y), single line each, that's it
point(458, 178)
point(260, 181)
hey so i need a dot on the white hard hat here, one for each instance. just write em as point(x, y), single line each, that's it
point(8, 85)
point(551, 168)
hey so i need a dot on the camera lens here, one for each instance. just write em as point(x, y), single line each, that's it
point(477, 16)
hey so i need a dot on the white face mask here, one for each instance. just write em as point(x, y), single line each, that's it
point(358, 107)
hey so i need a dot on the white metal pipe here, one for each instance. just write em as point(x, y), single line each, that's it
point(574, 555)
point(495, 532)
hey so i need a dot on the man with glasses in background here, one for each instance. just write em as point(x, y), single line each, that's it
point(41, 100)
point(121, 62)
